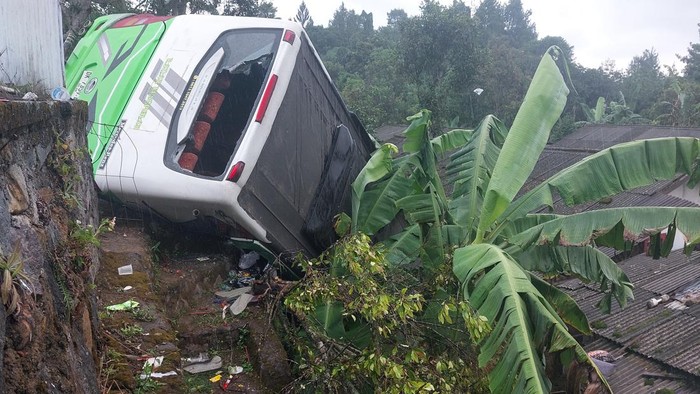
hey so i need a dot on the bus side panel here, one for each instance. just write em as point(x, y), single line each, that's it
point(282, 186)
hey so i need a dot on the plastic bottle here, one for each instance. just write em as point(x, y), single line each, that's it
point(60, 94)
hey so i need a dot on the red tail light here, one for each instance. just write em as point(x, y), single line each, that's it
point(265, 101)
point(236, 172)
point(289, 36)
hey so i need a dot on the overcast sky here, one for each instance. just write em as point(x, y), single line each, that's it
point(598, 29)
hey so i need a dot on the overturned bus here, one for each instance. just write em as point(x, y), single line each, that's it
point(227, 118)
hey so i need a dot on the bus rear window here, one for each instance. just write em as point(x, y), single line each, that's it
point(218, 104)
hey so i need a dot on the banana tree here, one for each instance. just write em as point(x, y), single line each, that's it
point(494, 241)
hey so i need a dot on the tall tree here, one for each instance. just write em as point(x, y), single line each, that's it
point(643, 82)
point(178, 7)
point(518, 26)
point(395, 16)
point(440, 55)
point(303, 16)
point(257, 8)
point(692, 61)
point(491, 17)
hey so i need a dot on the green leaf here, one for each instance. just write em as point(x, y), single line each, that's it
point(565, 306)
point(541, 108)
point(330, 316)
point(451, 140)
point(616, 169)
point(469, 170)
point(417, 132)
point(405, 247)
point(524, 321)
point(378, 203)
point(378, 166)
point(599, 109)
point(587, 263)
point(612, 227)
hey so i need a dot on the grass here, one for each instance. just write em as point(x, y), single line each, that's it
point(131, 330)
point(197, 383)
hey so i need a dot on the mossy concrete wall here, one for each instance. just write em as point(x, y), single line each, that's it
point(47, 198)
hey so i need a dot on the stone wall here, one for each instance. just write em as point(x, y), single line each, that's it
point(48, 219)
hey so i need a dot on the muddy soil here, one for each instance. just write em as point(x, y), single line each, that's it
point(179, 316)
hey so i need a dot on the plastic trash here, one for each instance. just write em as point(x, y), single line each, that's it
point(235, 370)
point(157, 375)
point(155, 362)
point(214, 363)
point(60, 94)
point(215, 378)
point(231, 294)
point(124, 306)
point(201, 358)
point(240, 304)
point(125, 270)
point(248, 260)
point(30, 96)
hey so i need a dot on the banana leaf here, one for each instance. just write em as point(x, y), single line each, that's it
point(541, 108)
point(526, 325)
point(616, 169)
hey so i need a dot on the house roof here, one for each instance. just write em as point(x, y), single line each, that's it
point(661, 338)
point(391, 133)
point(593, 138)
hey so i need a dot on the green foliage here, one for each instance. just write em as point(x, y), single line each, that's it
point(131, 330)
point(146, 384)
point(66, 161)
point(83, 238)
point(493, 242)
point(13, 277)
point(381, 329)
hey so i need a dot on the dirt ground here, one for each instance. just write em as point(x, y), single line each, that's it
point(179, 316)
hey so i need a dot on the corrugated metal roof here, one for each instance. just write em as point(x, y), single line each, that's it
point(31, 43)
point(670, 337)
point(627, 378)
point(598, 137)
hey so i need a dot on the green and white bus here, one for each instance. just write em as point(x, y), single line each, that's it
point(233, 119)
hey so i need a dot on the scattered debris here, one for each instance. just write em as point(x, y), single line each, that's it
point(127, 288)
point(154, 362)
point(210, 365)
point(125, 270)
point(124, 306)
point(604, 361)
point(200, 259)
point(201, 358)
point(60, 94)
point(157, 375)
point(656, 301)
point(240, 304)
point(30, 96)
point(231, 294)
point(215, 378)
point(248, 260)
point(8, 89)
